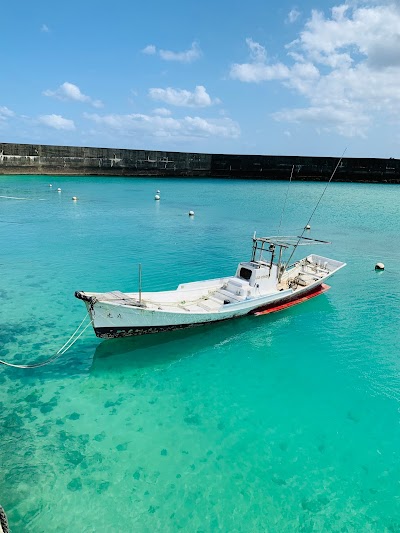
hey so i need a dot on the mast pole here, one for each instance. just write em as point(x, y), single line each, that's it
point(284, 204)
point(315, 208)
point(279, 264)
point(140, 283)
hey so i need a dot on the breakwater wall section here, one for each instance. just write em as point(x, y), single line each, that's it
point(83, 161)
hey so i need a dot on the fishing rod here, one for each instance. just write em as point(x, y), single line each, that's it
point(315, 208)
point(284, 204)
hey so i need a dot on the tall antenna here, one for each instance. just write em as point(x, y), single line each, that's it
point(284, 204)
point(140, 283)
point(315, 208)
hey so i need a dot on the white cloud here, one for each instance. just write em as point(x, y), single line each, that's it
point(383, 55)
point(211, 127)
point(44, 28)
point(325, 118)
point(5, 113)
point(258, 69)
point(257, 52)
point(293, 15)
point(69, 91)
point(57, 121)
point(256, 72)
point(346, 65)
point(162, 112)
point(188, 56)
point(183, 98)
point(149, 49)
point(161, 126)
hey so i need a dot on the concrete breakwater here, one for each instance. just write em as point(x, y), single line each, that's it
point(83, 161)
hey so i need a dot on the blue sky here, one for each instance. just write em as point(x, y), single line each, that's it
point(222, 77)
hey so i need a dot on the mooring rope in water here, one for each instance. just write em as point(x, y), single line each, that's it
point(66, 346)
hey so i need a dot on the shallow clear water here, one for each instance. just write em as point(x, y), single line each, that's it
point(279, 423)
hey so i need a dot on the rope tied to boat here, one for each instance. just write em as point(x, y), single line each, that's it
point(66, 346)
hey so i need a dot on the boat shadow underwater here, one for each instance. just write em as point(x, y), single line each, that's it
point(165, 348)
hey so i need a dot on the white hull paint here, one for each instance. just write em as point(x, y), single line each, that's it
point(118, 314)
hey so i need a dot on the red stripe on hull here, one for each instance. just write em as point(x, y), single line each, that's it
point(275, 308)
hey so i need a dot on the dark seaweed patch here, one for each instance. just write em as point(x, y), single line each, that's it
point(75, 484)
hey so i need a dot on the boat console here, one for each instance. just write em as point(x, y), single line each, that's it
point(259, 274)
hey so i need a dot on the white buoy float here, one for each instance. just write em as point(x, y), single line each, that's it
point(191, 213)
point(74, 198)
point(158, 191)
point(157, 197)
point(308, 226)
point(379, 266)
point(59, 190)
point(50, 185)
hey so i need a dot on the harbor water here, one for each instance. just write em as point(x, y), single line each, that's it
point(279, 423)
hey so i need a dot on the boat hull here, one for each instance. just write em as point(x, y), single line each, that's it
point(189, 321)
point(114, 333)
point(116, 314)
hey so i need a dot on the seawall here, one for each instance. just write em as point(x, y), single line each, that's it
point(84, 161)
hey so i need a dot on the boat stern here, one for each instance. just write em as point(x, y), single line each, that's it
point(329, 266)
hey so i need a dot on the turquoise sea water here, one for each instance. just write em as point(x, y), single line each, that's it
point(280, 423)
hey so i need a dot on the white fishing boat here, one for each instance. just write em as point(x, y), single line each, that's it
point(265, 284)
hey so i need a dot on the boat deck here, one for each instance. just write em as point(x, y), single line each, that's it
point(211, 302)
point(212, 296)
